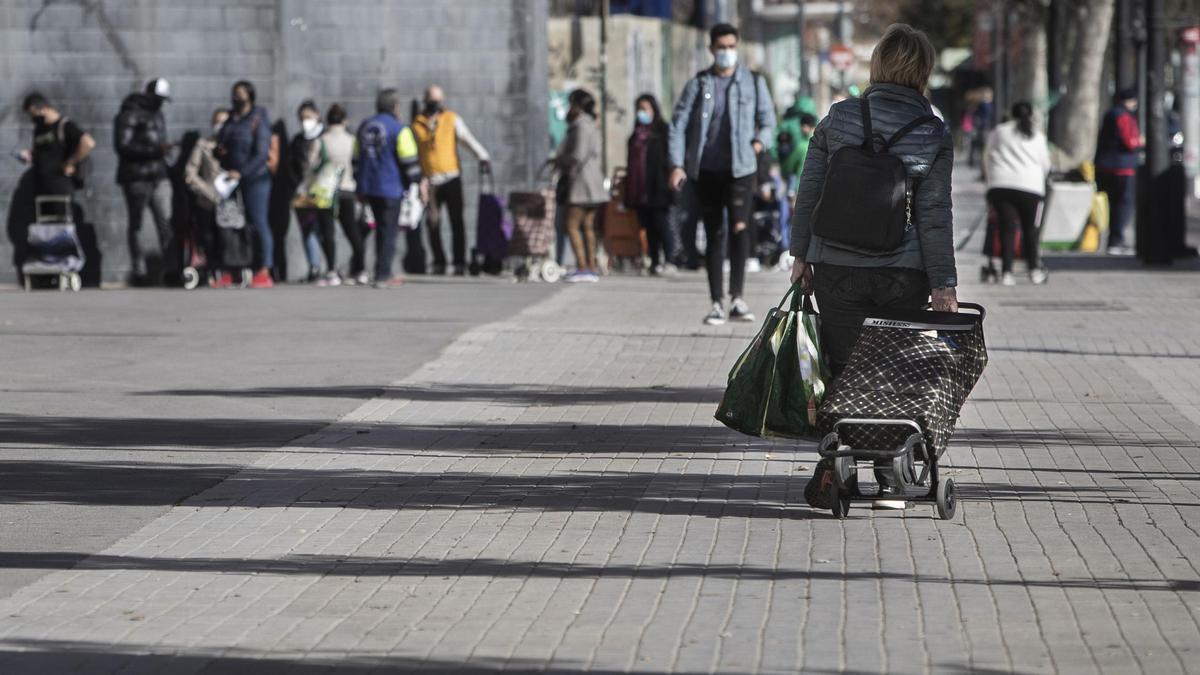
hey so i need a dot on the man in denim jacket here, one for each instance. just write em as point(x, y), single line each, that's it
point(724, 118)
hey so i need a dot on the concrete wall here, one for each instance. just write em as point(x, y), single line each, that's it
point(86, 55)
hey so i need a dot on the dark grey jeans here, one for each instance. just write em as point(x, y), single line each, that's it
point(157, 196)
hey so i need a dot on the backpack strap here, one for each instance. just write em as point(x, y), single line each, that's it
point(904, 130)
point(868, 133)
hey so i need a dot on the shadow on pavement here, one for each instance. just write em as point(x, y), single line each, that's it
point(703, 495)
point(1092, 352)
point(362, 566)
point(60, 656)
point(1085, 262)
point(501, 395)
point(1015, 438)
point(367, 437)
point(126, 432)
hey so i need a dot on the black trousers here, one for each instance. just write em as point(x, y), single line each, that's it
point(355, 230)
point(450, 194)
point(1122, 203)
point(1013, 208)
point(653, 220)
point(155, 194)
point(721, 197)
point(847, 295)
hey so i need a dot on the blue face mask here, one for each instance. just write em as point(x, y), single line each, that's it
point(644, 117)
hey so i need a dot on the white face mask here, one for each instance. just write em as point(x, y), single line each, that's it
point(312, 127)
point(217, 129)
point(726, 58)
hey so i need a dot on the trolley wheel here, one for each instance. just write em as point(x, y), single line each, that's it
point(842, 468)
point(841, 502)
point(947, 502)
point(246, 277)
point(75, 281)
point(551, 272)
point(191, 278)
point(28, 282)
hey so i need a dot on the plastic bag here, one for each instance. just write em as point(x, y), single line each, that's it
point(778, 382)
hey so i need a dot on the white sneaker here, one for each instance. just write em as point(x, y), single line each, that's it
point(1120, 250)
point(1039, 275)
point(740, 311)
point(1007, 279)
point(888, 504)
point(716, 316)
point(753, 265)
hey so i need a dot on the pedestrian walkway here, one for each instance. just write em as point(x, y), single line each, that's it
point(552, 493)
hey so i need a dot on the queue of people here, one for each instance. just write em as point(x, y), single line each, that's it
point(332, 177)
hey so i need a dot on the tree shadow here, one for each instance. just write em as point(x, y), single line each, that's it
point(502, 395)
point(1088, 262)
point(126, 432)
point(1013, 438)
point(1093, 352)
point(701, 495)
point(375, 437)
point(368, 566)
point(39, 657)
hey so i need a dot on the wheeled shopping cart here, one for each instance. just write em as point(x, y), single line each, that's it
point(895, 405)
point(533, 234)
point(54, 246)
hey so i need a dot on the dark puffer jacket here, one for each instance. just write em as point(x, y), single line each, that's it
point(139, 134)
point(928, 155)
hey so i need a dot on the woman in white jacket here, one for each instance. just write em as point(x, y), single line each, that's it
point(1016, 161)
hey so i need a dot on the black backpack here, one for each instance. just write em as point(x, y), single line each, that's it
point(866, 202)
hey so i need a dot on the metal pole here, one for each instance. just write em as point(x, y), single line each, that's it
point(1056, 35)
point(1153, 246)
point(999, 62)
point(1125, 62)
point(604, 87)
point(805, 88)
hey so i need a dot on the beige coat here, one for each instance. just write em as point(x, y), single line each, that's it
point(578, 162)
point(201, 170)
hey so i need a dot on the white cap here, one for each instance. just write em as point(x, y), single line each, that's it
point(159, 87)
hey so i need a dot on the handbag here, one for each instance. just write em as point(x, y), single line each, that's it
point(411, 210)
point(231, 213)
point(778, 383)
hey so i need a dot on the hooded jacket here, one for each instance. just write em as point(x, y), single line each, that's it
point(139, 133)
point(928, 156)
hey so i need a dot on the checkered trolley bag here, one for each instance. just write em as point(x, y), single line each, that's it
point(898, 400)
point(533, 235)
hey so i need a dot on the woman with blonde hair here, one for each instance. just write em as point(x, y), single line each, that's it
point(857, 266)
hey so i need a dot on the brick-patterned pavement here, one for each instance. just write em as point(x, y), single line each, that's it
point(552, 493)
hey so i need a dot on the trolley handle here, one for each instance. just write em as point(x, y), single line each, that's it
point(42, 214)
point(487, 179)
point(978, 309)
point(975, 308)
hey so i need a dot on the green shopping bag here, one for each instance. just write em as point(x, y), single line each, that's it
point(777, 384)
